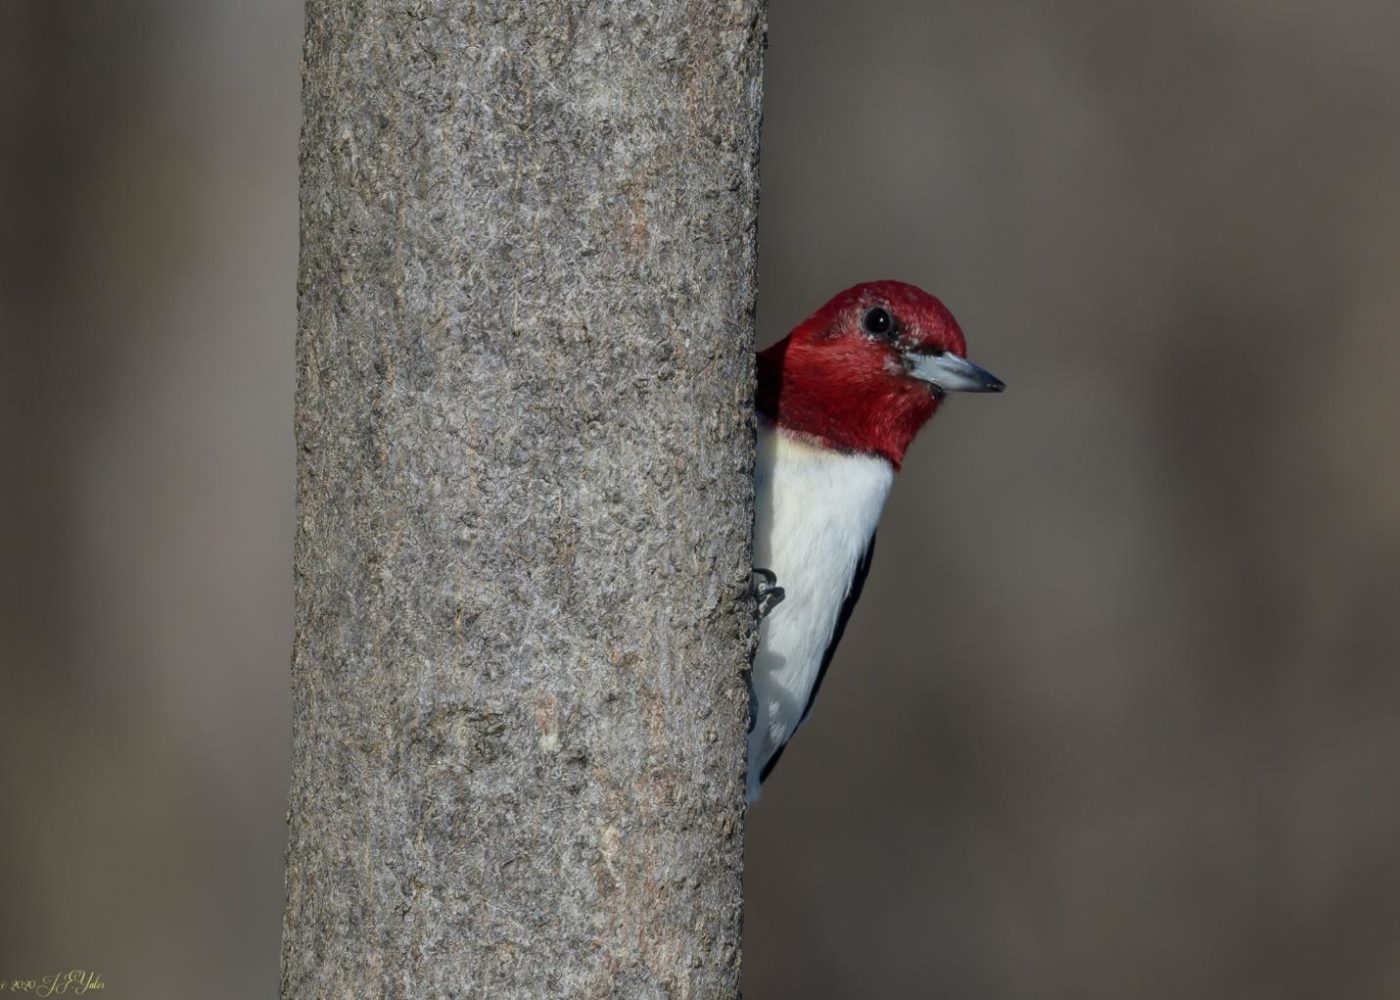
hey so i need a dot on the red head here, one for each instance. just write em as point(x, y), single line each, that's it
point(867, 370)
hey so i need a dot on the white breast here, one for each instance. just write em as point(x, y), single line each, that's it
point(815, 510)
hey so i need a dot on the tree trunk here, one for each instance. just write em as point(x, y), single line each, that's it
point(524, 418)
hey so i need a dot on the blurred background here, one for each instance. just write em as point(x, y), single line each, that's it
point(1119, 715)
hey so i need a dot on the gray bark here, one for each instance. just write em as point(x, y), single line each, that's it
point(524, 418)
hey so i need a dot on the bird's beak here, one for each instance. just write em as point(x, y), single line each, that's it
point(950, 373)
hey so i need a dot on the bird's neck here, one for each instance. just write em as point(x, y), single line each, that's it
point(818, 395)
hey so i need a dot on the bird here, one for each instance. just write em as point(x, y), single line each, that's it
point(839, 400)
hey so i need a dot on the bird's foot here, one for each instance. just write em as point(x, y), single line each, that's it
point(767, 592)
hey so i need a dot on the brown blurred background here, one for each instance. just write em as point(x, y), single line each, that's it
point(1119, 715)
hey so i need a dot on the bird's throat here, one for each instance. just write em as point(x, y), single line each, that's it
point(828, 401)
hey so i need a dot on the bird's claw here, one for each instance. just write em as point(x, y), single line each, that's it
point(767, 593)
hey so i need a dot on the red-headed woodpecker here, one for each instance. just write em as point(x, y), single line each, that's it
point(840, 399)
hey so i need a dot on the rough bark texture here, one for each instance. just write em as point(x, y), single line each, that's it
point(522, 561)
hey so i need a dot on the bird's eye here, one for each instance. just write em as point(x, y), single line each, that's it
point(878, 321)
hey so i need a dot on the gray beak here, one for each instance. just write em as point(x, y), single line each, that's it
point(950, 373)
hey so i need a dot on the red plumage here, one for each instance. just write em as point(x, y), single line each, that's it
point(833, 382)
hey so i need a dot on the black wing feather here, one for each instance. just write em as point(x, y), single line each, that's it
point(847, 606)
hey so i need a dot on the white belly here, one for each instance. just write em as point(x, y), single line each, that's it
point(814, 513)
